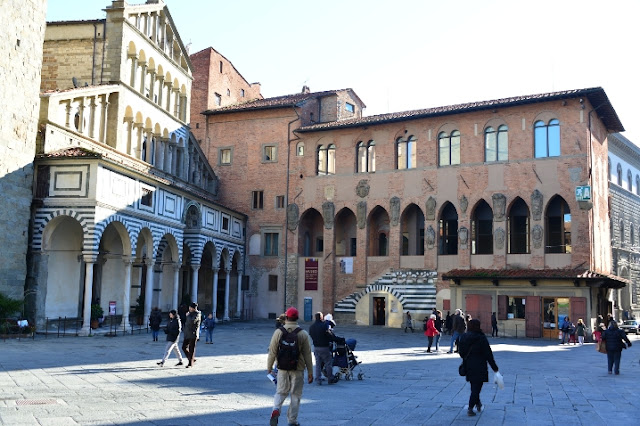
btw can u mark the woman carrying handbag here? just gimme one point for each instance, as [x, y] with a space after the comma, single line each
[476, 352]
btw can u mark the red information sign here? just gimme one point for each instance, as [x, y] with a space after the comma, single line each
[112, 307]
[311, 274]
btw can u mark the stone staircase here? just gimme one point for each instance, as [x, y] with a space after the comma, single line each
[416, 290]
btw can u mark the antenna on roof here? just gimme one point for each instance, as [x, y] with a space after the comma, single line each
[74, 81]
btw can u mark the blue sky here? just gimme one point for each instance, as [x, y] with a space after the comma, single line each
[409, 54]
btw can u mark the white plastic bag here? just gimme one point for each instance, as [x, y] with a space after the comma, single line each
[498, 380]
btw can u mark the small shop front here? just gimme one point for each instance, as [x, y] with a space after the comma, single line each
[531, 306]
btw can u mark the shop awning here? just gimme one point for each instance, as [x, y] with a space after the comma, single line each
[590, 278]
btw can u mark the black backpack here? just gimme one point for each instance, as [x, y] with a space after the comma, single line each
[288, 351]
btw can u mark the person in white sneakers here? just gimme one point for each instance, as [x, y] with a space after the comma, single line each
[291, 346]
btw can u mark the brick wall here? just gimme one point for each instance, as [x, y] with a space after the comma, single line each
[21, 38]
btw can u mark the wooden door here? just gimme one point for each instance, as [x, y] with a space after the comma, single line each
[379, 311]
[479, 307]
[533, 316]
[578, 309]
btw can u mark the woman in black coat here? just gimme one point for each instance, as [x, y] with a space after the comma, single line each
[614, 339]
[475, 351]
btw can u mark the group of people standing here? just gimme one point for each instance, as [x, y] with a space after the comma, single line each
[192, 321]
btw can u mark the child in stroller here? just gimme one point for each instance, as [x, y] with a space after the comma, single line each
[344, 358]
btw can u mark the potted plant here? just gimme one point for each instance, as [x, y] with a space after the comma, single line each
[96, 314]
[139, 310]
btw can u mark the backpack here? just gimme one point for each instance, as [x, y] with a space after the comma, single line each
[288, 351]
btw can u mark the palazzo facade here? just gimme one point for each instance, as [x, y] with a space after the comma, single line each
[125, 206]
[469, 206]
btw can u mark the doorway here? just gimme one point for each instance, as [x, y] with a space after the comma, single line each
[379, 311]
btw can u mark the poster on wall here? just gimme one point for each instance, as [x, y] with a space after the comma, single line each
[311, 274]
[346, 265]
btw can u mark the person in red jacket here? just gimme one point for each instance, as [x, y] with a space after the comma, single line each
[431, 331]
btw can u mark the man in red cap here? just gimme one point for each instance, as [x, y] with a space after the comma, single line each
[290, 381]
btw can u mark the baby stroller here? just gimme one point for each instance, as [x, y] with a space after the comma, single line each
[344, 359]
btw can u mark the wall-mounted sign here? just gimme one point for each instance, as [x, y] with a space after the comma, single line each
[311, 274]
[583, 193]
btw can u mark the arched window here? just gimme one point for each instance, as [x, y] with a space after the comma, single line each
[518, 227]
[547, 138]
[496, 144]
[558, 226]
[629, 181]
[449, 148]
[326, 164]
[482, 229]
[619, 170]
[406, 153]
[448, 230]
[366, 157]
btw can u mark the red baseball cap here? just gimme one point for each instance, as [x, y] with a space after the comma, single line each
[292, 313]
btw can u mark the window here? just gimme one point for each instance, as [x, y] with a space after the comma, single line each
[350, 107]
[300, 149]
[221, 66]
[225, 156]
[225, 223]
[271, 244]
[496, 144]
[515, 307]
[228, 92]
[406, 153]
[218, 99]
[637, 185]
[482, 229]
[366, 157]
[242, 93]
[621, 233]
[632, 237]
[629, 181]
[619, 170]
[280, 202]
[558, 226]
[273, 283]
[326, 160]
[449, 148]
[319, 245]
[147, 197]
[257, 200]
[547, 138]
[448, 229]
[269, 153]
[518, 227]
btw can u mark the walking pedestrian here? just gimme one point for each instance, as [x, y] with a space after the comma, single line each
[459, 327]
[476, 352]
[494, 325]
[290, 382]
[615, 340]
[581, 330]
[408, 323]
[209, 325]
[191, 333]
[155, 319]
[438, 324]
[565, 328]
[322, 338]
[431, 330]
[174, 326]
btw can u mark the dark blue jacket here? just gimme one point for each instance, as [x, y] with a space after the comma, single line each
[319, 332]
[614, 337]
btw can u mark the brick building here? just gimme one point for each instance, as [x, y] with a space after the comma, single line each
[467, 206]
[125, 205]
[21, 37]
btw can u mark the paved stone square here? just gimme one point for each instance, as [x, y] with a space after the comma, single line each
[115, 380]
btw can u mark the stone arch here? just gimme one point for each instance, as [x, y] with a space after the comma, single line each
[126, 232]
[557, 226]
[448, 229]
[345, 231]
[42, 232]
[518, 226]
[378, 231]
[482, 228]
[412, 231]
[311, 233]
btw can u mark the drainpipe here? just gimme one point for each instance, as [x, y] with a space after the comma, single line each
[286, 210]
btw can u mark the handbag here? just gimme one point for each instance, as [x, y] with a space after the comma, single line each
[602, 347]
[462, 369]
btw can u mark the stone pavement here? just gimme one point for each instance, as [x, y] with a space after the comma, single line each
[115, 380]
